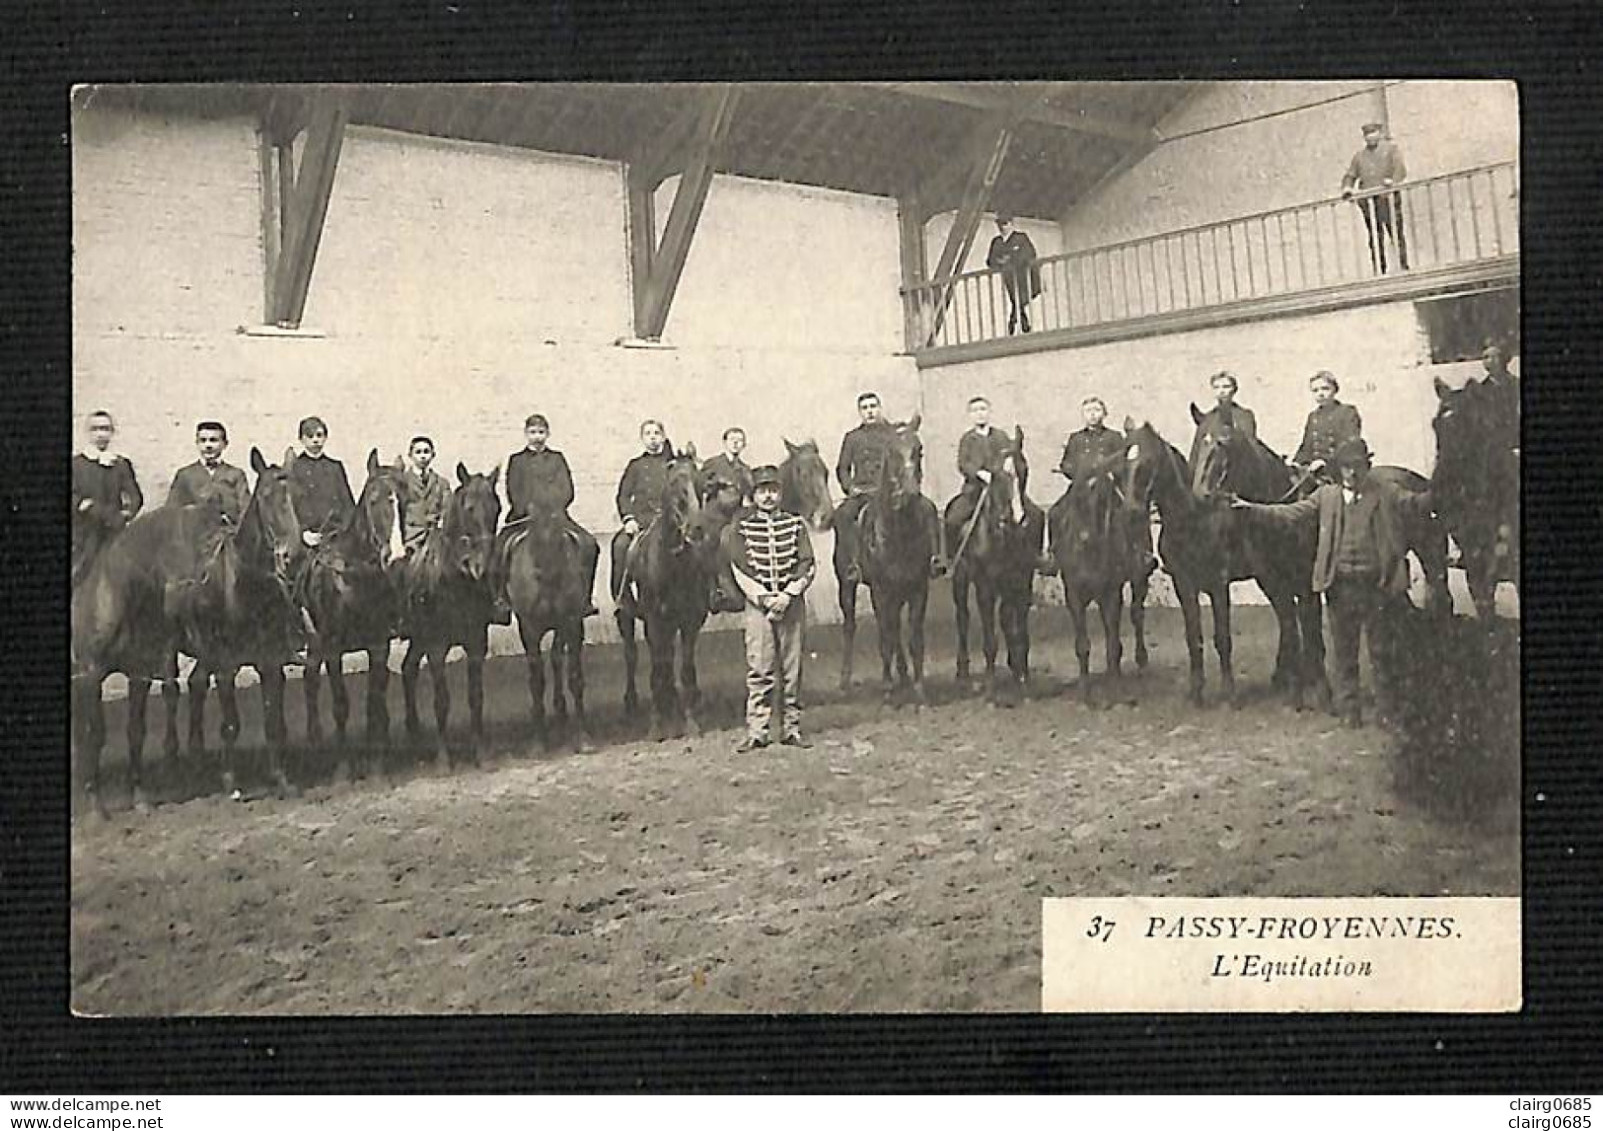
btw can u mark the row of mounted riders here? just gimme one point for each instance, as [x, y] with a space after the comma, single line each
[183, 579]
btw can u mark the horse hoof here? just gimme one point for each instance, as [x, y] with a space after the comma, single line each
[442, 762]
[692, 728]
[141, 802]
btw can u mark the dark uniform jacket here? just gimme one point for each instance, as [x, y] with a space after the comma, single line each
[640, 489]
[1376, 506]
[1500, 400]
[1329, 425]
[112, 489]
[862, 456]
[1241, 419]
[223, 487]
[423, 506]
[1088, 449]
[1015, 257]
[977, 452]
[728, 469]
[321, 492]
[538, 483]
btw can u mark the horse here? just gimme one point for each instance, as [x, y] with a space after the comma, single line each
[546, 585]
[804, 485]
[240, 617]
[897, 526]
[1227, 461]
[667, 584]
[1100, 543]
[1475, 491]
[448, 605]
[350, 598]
[997, 559]
[127, 616]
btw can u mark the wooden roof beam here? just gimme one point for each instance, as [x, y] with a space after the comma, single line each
[1042, 114]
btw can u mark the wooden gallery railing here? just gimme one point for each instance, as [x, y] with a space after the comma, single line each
[1417, 228]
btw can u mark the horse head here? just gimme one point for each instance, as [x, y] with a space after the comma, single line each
[269, 521]
[470, 521]
[804, 484]
[378, 509]
[903, 470]
[681, 500]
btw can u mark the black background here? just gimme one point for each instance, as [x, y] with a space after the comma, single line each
[1554, 1045]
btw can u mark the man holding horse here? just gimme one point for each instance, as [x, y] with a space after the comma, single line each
[1330, 425]
[773, 564]
[640, 495]
[1359, 566]
[210, 481]
[540, 487]
[105, 494]
[863, 453]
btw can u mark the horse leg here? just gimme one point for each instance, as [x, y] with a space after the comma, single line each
[1112, 608]
[1429, 543]
[476, 650]
[659, 643]
[1191, 614]
[1138, 617]
[687, 677]
[340, 705]
[312, 687]
[411, 665]
[887, 621]
[1482, 579]
[138, 702]
[631, 660]
[1289, 650]
[559, 695]
[987, 602]
[274, 728]
[848, 627]
[1079, 609]
[960, 584]
[440, 678]
[575, 656]
[1310, 614]
[377, 735]
[90, 720]
[199, 682]
[1220, 600]
[227, 695]
[536, 662]
[917, 606]
[170, 694]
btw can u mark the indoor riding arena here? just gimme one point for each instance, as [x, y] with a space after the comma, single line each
[443, 261]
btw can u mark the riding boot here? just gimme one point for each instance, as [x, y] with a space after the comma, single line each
[938, 563]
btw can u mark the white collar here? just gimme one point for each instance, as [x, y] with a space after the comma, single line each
[107, 458]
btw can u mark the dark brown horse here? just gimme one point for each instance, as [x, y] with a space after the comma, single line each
[1219, 547]
[240, 616]
[804, 485]
[1099, 540]
[997, 559]
[1475, 491]
[549, 590]
[668, 582]
[896, 528]
[350, 597]
[447, 605]
[172, 570]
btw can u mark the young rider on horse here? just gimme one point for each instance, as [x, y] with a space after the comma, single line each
[323, 502]
[211, 480]
[639, 495]
[105, 494]
[1330, 424]
[863, 451]
[539, 485]
[982, 454]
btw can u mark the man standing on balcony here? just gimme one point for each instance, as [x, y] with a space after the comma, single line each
[1013, 255]
[1379, 164]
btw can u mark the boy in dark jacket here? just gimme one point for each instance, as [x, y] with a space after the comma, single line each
[211, 480]
[540, 486]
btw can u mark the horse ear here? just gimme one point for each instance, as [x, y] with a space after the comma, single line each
[1196, 413]
[1443, 389]
[495, 476]
[1018, 437]
[790, 447]
[689, 450]
[372, 461]
[289, 458]
[461, 473]
[257, 463]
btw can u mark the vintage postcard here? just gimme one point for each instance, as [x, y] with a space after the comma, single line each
[796, 547]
